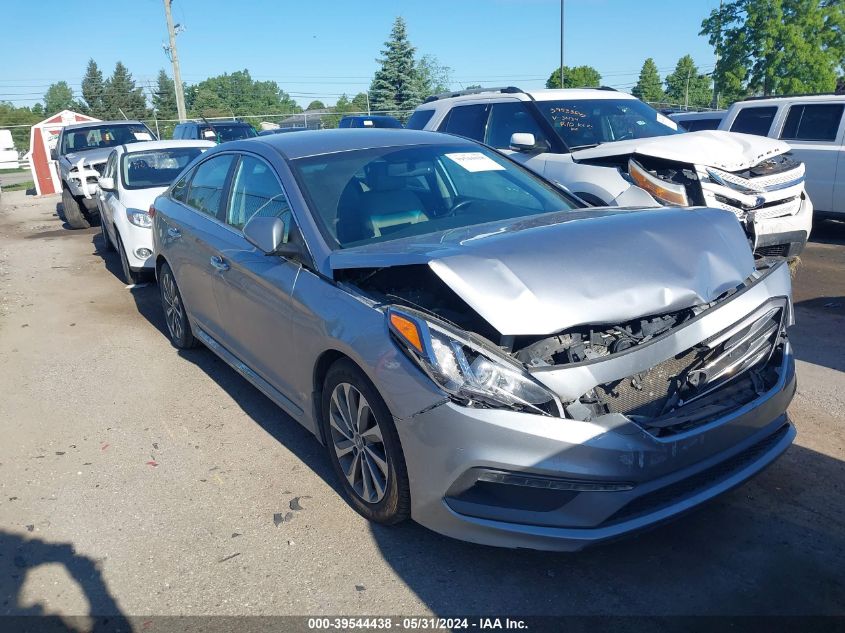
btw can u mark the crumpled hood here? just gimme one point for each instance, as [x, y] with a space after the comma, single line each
[552, 272]
[99, 155]
[730, 151]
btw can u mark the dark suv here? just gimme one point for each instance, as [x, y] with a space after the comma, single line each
[218, 131]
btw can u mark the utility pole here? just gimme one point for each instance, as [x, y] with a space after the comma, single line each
[174, 58]
[561, 43]
[715, 103]
[686, 92]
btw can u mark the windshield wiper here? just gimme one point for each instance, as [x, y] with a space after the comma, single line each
[587, 146]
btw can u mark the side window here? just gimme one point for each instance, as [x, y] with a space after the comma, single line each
[206, 188]
[754, 120]
[508, 118]
[180, 189]
[419, 119]
[177, 131]
[468, 121]
[256, 191]
[813, 122]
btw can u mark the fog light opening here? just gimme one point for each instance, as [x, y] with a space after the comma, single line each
[549, 483]
[143, 253]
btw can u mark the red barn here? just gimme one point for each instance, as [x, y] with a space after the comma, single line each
[42, 138]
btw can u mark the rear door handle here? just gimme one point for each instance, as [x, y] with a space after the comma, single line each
[218, 263]
[174, 233]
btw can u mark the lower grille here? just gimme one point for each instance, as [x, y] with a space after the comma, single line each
[775, 250]
[664, 497]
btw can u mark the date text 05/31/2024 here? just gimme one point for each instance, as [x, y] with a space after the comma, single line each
[417, 623]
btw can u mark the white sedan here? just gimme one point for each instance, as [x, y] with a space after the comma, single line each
[132, 178]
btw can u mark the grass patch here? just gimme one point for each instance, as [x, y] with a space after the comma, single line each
[14, 171]
[18, 186]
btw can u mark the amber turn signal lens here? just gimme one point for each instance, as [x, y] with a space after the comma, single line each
[408, 330]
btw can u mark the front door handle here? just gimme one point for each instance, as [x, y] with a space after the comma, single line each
[174, 233]
[218, 263]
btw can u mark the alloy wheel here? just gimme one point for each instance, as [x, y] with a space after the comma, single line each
[172, 307]
[358, 443]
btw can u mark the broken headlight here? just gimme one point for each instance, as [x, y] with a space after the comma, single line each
[661, 190]
[469, 370]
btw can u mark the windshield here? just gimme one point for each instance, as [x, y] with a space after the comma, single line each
[589, 122]
[110, 135]
[376, 195]
[156, 168]
[232, 132]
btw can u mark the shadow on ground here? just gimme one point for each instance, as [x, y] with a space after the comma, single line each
[20, 555]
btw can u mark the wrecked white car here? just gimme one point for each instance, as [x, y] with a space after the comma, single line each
[476, 349]
[609, 148]
[81, 153]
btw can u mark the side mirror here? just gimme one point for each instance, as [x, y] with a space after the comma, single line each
[54, 154]
[106, 184]
[523, 142]
[270, 236]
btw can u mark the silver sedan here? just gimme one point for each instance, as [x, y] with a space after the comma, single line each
[475, 348]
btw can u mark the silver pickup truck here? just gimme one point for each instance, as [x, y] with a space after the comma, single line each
[81, 153]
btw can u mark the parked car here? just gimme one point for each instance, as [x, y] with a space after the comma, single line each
[371, 121]
[133, 176]
[281, 130]
[610, 148]
[217, 131]
[815, 130]
[80, 154]
[697, 121]
[475, 348]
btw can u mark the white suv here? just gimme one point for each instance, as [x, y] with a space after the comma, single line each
[610, 148]
[814, 126]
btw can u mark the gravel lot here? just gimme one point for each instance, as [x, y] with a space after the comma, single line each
[136, 479]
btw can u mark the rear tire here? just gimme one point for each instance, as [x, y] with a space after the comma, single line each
[364, 446]
[108, 247]
[129, 276]
[178, 325]
[73, 211]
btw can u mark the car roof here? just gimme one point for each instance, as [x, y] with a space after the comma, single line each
[704, 114]
[314, 142]
[369, 116]
[143, 146]
[77, 126]
[537, 95]
[821, 98]
[216, 122]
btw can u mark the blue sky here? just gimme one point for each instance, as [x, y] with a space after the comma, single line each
[318, 50]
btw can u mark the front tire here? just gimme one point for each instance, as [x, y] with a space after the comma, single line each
[108, 247]
[364, 446]
[129, 276]
[178, 325]
[73, 211]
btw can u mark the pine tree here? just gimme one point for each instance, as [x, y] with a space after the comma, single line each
[93, 90]
[649, 87]
[122, 96]
[164, 97]
[59, 97]
[395, 85]
[686, 86]
[576, 77]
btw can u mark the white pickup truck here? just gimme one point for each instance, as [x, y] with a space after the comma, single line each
[80, 154]
[609, 148]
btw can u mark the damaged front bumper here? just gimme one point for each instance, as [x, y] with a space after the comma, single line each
[84, 180]
[514, 479]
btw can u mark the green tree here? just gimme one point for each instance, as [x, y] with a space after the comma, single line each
[121, 97]
[11, 115]
[649, 87]
[59, 97]
[316, 105]
[237, 94]
[164, 97]
[395, 85]
[93, 90]
[432, 76]
[686, 86]
[360, 102]
[777, 46]
[577, 77]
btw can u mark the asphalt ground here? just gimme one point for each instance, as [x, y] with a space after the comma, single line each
[139, 480]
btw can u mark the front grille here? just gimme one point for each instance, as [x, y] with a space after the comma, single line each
[775, 250]
[664, 497]
[99, 167]
[704, 382]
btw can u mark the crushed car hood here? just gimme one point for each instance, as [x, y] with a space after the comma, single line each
[99, 155]
[730, 151]
[547, 273]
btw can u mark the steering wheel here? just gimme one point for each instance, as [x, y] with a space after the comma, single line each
[463, 204]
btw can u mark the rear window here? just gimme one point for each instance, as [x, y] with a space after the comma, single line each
[230, 132]
[111, 135]
[468, 121]
[696, 125]
[419, 119]
[155, 168]
[813, 122]
[754, 120]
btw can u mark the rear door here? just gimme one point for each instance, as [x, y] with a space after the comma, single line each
[194, 235]
[815, 131]
[253, 289]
